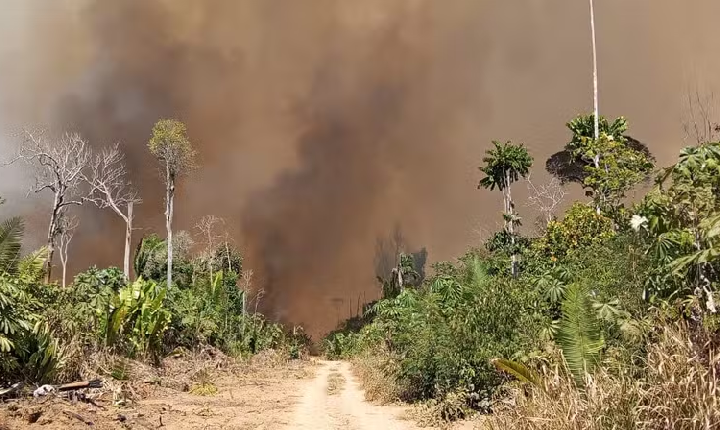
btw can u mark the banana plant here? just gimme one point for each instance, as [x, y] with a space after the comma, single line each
[137, 311]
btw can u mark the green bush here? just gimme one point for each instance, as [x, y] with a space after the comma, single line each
[136, 319]
[581, 227]
[443, 334]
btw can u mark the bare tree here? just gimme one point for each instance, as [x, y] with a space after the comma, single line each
[207, 225]
[59, 167]
[546, 198]
[227, 252]
[246, 285]
[109, 188]
[66, 230]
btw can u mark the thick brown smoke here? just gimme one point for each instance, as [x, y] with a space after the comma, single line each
[322, 124]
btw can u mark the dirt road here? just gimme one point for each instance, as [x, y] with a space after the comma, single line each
[288, 396]
[334, 400]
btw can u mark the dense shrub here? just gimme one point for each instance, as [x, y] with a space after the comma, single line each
[442, 335]
[581, 227]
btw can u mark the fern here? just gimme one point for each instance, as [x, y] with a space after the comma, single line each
[579, 333]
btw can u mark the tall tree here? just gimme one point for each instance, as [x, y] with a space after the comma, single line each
[59, 167]
[109, 188]
[596, 111]
[171, 146]
[504, 165]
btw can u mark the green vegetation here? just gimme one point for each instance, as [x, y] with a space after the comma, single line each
[607, 319]
[504, 165]
[48, 331]
[611, 166]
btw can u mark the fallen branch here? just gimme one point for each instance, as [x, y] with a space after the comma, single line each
[96, 383]
[79, 417]
[75, 396]
[11, 390]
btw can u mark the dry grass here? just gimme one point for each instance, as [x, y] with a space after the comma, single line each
[678, 390]
[441, 413]
[375, 373]
[336, 382]
[203, 385]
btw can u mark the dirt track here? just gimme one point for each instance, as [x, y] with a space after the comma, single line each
[320, 408]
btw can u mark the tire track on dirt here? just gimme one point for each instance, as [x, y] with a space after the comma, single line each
[346, 410]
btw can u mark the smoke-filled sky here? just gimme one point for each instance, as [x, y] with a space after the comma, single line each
[323, 124]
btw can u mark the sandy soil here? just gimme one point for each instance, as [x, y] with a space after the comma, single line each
[344, 407]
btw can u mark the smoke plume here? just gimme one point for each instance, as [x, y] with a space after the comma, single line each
[323, 124]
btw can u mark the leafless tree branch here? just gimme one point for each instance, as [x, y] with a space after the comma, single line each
[59, 165]
[110, 189]
[206, 226]
[700, 122]
[546, 198]
[65, 232]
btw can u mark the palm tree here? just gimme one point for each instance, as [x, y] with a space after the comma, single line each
[504, 165]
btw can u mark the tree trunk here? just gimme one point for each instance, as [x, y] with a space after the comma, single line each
[168, 223]
[52, 230]
[227, 251]
[211, 255]
[48, 263]
[128, 240]
[595, 72]
[596, 110]
[509, 215]
[64, 273]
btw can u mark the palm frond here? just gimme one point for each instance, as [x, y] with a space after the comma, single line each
[518, 370]
[11, 233]
[579, 334]
[32, 265]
